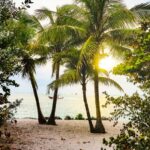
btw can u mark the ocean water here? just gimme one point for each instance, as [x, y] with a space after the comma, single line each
[70, 105]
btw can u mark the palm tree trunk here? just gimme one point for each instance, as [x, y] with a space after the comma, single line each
[86, 105]
[99, 128]
[51, 120]
[41, 118]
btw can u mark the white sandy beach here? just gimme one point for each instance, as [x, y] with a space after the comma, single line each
[67, 135]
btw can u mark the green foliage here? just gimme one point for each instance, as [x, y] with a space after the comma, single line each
[68, 118]
[128, 139]
[8, 53]
[136, 133]
[79, 117]
[7, 110]
[9, 58]
[142, 11]
[137, 63]
[136, 108]
[7, 10]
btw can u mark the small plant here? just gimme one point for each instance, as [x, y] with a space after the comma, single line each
[106, 118]
[7, 111]
[68, 118]
[58, 118]
[79, 117]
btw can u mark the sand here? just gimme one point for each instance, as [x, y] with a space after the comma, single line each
[67, 135]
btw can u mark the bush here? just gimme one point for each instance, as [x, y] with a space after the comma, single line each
[135, 134]
[68, 118]
[58, 118]
[106, 118]
[7, 110]
[79, 117]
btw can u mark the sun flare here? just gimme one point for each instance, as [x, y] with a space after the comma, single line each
[107, 63]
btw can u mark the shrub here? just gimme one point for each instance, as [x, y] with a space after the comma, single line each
[68, 118]
[79, 117]
[58, 118]
[135, 134]
[7, 110]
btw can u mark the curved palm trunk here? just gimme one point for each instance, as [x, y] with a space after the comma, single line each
[51, 120]
[41, 118]
[86, 105]
[99, 128]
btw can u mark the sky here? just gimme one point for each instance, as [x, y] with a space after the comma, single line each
[43, 73]
[52, 4]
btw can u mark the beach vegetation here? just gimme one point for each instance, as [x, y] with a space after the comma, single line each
[68, 118]
[9, 65]
[135, 133]
[79, 117]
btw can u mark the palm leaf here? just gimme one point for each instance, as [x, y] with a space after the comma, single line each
[38, 48]
[122, 36]
[103, 71]
[40, 61]
[71, 15]
[58, 34]
[119, 17]
[38, 24]
[119, 51]
[142, 11]
[69, 77]
[110, 82]
[45, 13]
[28, 68]
[88, 51]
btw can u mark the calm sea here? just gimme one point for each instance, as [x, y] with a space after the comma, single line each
[69, 105]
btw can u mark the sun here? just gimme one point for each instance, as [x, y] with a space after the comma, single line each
[107, 63]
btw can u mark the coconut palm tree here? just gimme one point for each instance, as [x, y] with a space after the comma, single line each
[25, 29]
[28, 70]
[104, 20]
[73, 75]
[63, 31]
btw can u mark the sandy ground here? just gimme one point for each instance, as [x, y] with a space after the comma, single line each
[67, 135]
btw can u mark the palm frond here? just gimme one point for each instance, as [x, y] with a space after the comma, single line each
[109, 82]
[120, 17]
[103, 71]
[71, 15]
[40, 61]
[45, 13]
[122, 36]
[38, 24]
[35, 47]
[88, 51]
[28, 68]
[142, 11]
[58, 34]
[69, 77]
[119, 51]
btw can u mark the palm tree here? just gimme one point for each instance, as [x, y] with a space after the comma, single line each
[25, 30]
[28, 70]
[104, 21]
[73, 75]
[63, 32]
